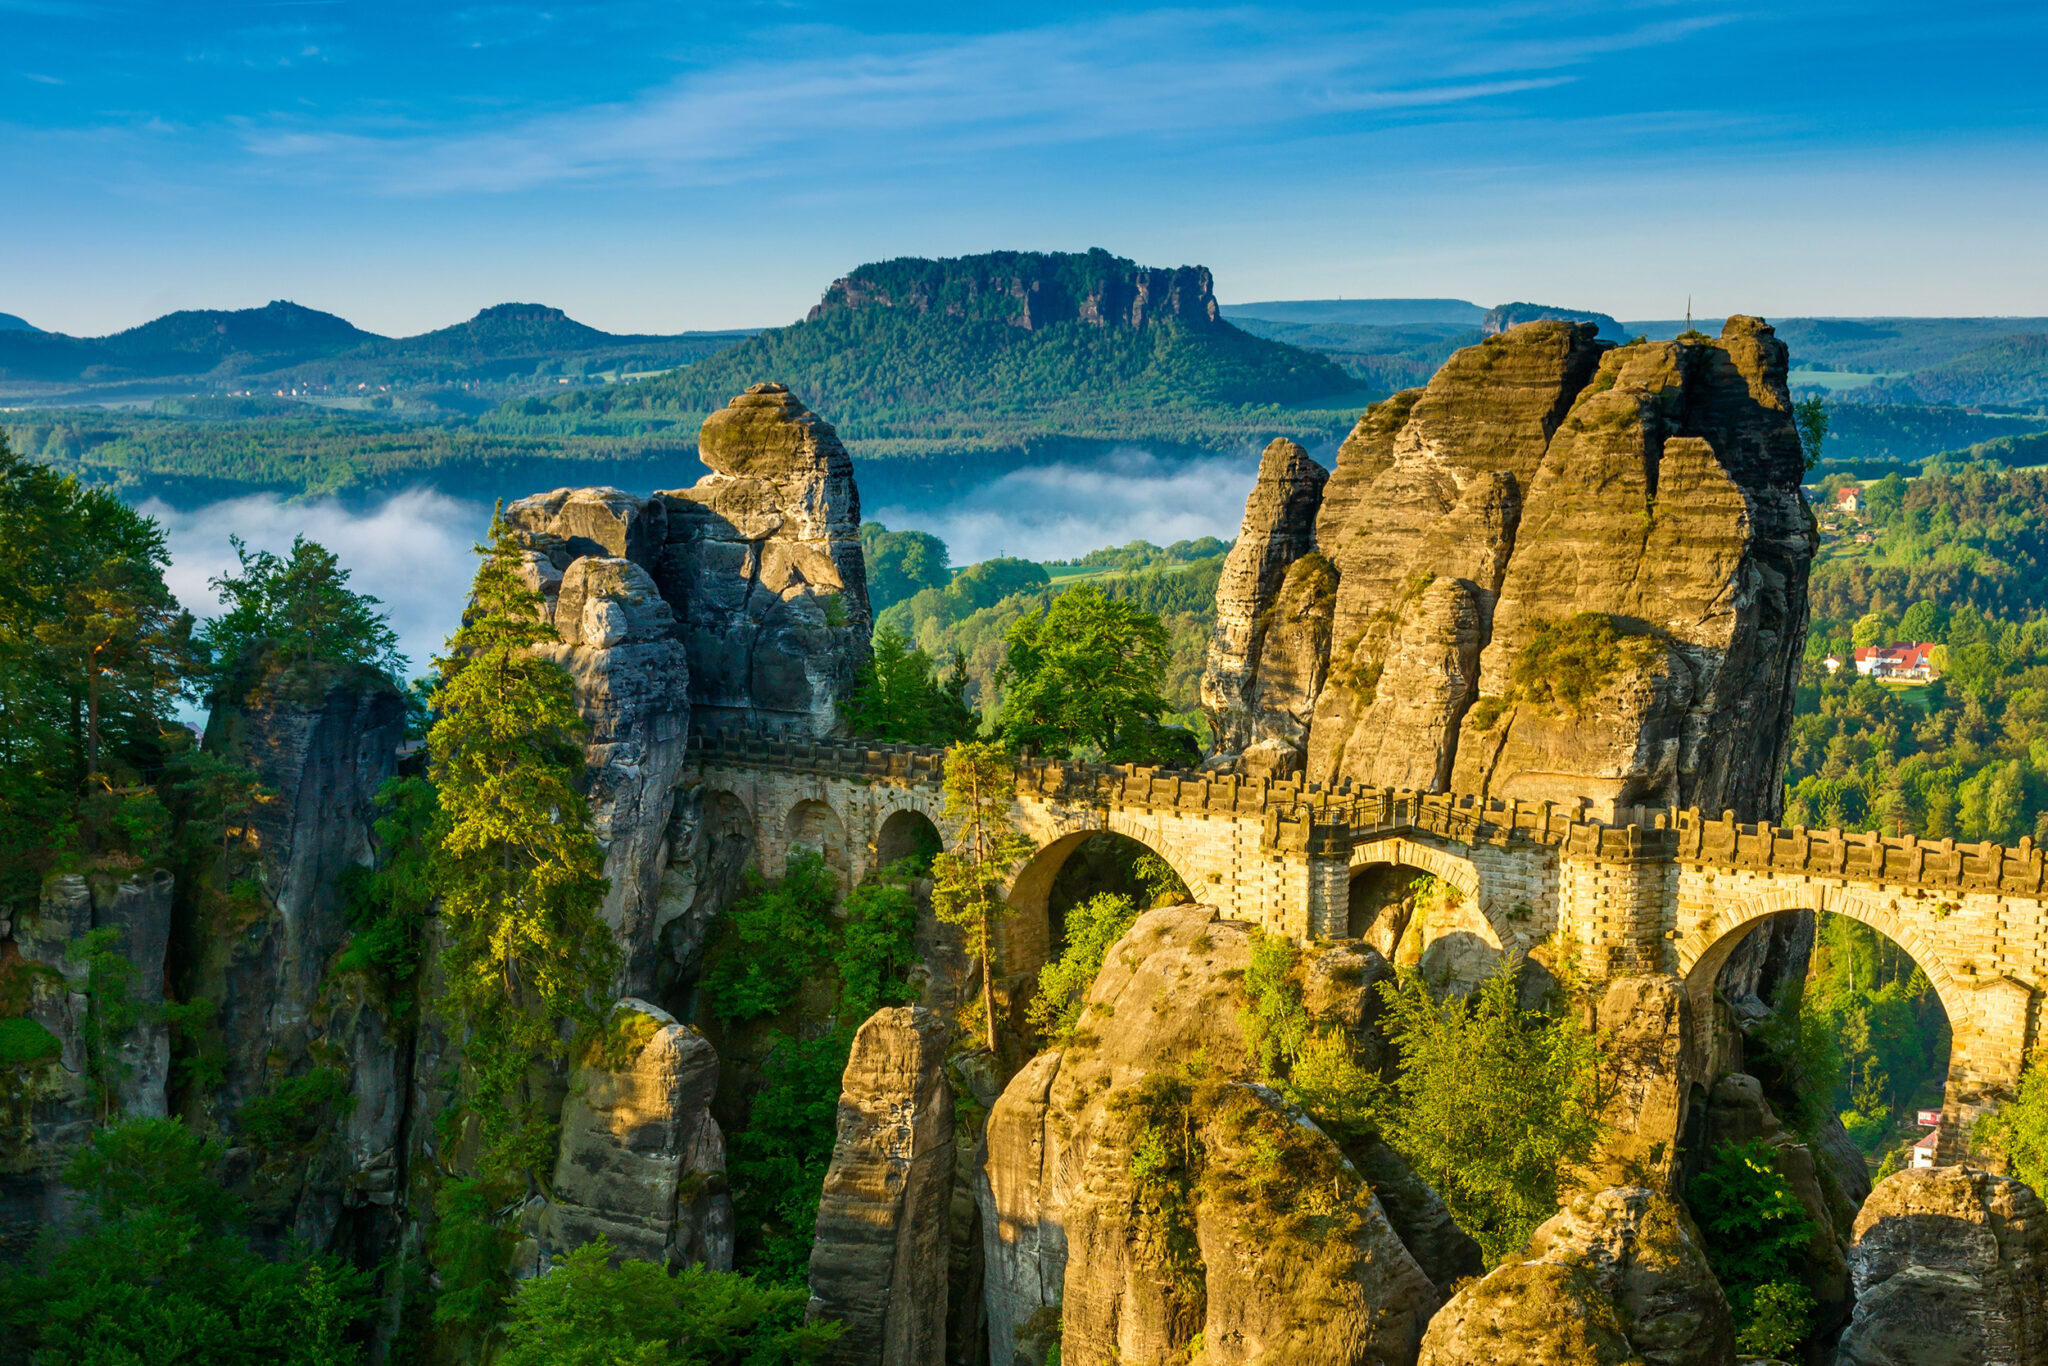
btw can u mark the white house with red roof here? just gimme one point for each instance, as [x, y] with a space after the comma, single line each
[1897, 661]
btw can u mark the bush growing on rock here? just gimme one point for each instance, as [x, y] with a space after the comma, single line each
[1063, 984]
[587, 1312]
[1757, 1230]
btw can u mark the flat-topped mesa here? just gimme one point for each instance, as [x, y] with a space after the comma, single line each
[1565, 569]
[1030, 289]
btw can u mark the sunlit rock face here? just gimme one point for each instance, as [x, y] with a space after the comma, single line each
[742, 599]
[1551, 514]
[1950, 1266]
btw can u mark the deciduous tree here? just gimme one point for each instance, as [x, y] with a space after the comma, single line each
[969, 877]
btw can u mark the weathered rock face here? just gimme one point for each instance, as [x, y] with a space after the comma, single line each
[880, 1261]
[743, 598]
[51, 1105]
[1030, 290]
[1617, 1276]
[1950, 1266]
[1540, 476]
[324, 749]
[1279, 529]
[641, 1160]
[1064, 1218]
[763, 563]
[1648, 1026]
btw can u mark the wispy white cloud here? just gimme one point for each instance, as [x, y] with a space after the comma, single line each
[1067, 509]
[837, 100]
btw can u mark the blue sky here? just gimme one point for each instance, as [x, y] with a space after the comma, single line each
[654, 167]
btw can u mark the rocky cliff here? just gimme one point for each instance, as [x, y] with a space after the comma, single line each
[1562, 569]
[1029, 289]
[1245, 1224]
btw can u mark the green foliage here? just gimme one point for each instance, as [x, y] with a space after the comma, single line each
[1086, 678]
[969, 878]
[517, 867]
[471, 1248]
[2018, 1129]
[1810, 415]
[112, 1012]
[1166, 1168]
[297, 1108]
[1092, 927]
[161, 1276]
[387, 902]
[1276, 1024]
[1566, 663]
[1780, 1314]
[775, 937]
[776, 1164]
[901, 563]
[293, 613]
[1757, 1232]
[1137, 555]
[901, 380]
[24, 1043]
[876, 948]
[1800, 1045]
[897, 696]
[587, 1312]
[1495, 1106]
[93, 655]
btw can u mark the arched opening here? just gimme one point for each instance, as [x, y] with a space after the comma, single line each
[816, 827]
[1845, 1030]
[908, 835]
[1422, 921]
[1069, 871]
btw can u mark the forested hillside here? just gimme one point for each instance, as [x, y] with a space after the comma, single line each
[916, 357]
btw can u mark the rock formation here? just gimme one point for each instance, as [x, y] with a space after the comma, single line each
[1617, 1276]
[1249, 705]
[1065, 1224]
[641, 1161]
[741, 599]
[880, 1261]
[1950, 1267]
[1030, 290]
[1563, 569]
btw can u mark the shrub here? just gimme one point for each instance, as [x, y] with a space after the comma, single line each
[1092, 927]
[2019, 1129]
[291, 1111]
[1757, 1231]
[1566, 664]
[775, 938]
[776, 1164]
[587, 1312]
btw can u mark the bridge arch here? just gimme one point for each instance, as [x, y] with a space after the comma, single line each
[1704, 951]
[1460, 944]
[813, 825]
[1030, 936]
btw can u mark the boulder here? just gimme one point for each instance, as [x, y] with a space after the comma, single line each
[763, 564]
[1617, 1276]
[1299, 1261]
[880, 1262]
[1950, 1267]
[641, 1161]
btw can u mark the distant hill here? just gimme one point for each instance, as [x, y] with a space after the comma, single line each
[1386, 357]
[1000, 351]
[1362, 312]
[1504, 316]
[2010, 372]
[314, 355]
[10, 323]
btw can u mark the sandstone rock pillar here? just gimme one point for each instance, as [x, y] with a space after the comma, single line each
[880, 1261]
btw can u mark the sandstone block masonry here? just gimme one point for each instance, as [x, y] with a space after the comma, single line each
[1623, 891]
[1550, 513]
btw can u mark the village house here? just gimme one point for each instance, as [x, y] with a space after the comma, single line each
[1915, 661]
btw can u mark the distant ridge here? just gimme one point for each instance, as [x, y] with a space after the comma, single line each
[1362, 312]
[999, 352]
[10, 323]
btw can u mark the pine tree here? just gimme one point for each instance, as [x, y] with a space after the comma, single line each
[519, 870]
[968, 880]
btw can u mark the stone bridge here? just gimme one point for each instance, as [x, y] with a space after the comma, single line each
[1624, 892]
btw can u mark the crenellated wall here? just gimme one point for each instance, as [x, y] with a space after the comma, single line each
[1628, 892]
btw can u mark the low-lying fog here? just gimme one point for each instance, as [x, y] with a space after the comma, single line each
[413, 550]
